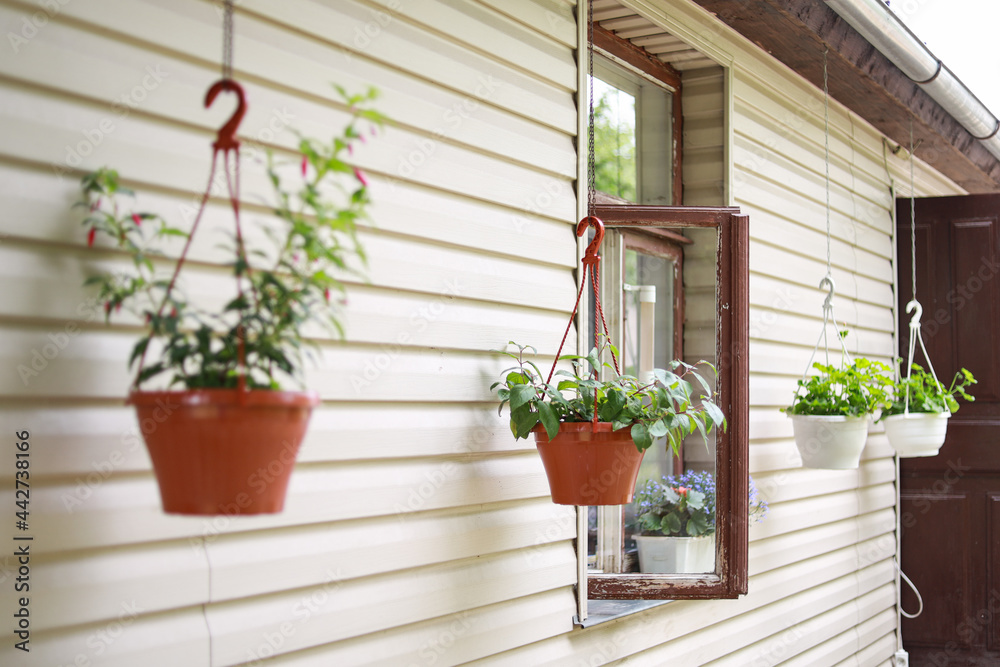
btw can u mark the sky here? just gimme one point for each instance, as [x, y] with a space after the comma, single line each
[962, 34]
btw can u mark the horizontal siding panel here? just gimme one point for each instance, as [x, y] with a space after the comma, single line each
[849, 621]
[809, 272]
[125, 509]
[876, 528]
[88, 444]
[132, 638]
[666, 633]
[458, 304]
[453, 639]
[489, 33]
[428, 54]
[91, 587]
[94, 366]
[256, 563]
[793, 632]
[748, 629]
[555, 17]
[180, 159]
[340, 610]
[800, 514]
[398, 209]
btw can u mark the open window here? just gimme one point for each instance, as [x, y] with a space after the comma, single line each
[702, 317]
[674, 286]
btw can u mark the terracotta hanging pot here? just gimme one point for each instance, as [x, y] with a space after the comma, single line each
[588, 465]
[223, 451]
[917, 433]
[830, 442]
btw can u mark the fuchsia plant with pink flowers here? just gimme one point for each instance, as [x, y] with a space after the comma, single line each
[283, 288]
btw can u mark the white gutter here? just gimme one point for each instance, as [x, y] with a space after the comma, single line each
[883, 30]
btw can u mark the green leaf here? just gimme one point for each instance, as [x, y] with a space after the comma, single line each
[658, 429]
[550, 420]
[522, 421]
[641, 437]
[521, 394]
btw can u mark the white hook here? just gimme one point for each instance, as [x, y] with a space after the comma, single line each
[915, 320]
[828, 283]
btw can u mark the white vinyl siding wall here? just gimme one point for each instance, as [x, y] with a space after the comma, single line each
[417, 531]
[415, 526]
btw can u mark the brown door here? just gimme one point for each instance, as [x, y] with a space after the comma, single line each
[950, 509]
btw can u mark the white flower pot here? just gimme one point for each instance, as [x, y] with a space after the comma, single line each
[670, 555]
[917, 433]
[831, 442]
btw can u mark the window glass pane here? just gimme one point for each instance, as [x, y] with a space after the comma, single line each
[614, 141]
[679, 505]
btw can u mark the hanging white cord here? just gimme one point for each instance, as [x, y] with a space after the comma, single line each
[914, 305]
[827, 282]
[920, 599]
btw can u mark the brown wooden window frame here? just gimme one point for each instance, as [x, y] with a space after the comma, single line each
[732, 447]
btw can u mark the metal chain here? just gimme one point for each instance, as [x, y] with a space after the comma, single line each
[591, 160]
[826, 137]
[913, 223]
[227, 41]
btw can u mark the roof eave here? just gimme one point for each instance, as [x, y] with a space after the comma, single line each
[796, 32]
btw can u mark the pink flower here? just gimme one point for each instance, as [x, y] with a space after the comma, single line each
[305, 163]
[136, 219]
[350, 149]
[682, 490]
[90, 236]
[326, 294]
[361, 177]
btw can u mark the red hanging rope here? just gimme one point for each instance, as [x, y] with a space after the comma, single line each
[592, 261]
[225, 143]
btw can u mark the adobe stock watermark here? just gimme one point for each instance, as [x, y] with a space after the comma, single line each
[131, 441]
[420, 494]
[33, 23]
[371, 30]
[251, 149]
[302, 612]
[258, 482]
[885, 546]
[553, 190]
[122, 106]
[453, 118]
[433, 650]
[969, 631]
[763, 321]
[101, 640]
[419, 319]
[642, 625]
[56, 342]
[959, 297]
[778, 650]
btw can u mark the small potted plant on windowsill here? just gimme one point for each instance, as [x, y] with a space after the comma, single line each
[675, 522]
[916, 419]
[831, 411]
[592, 462]
[227, 440]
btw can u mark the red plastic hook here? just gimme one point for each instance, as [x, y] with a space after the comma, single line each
[227, 133]
[591, 256]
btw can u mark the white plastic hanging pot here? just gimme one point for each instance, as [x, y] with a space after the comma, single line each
[917, 433]
[660, 554]
[830, 442]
